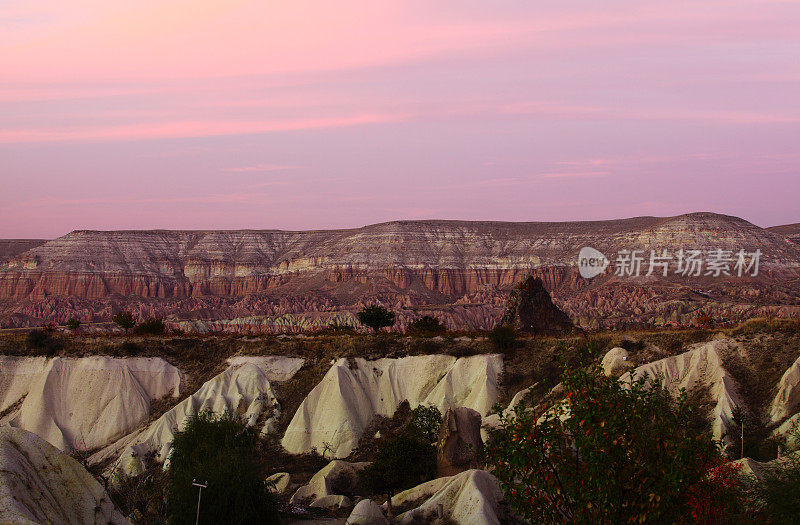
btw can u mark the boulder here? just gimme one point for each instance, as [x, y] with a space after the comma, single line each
[367, 512]
[275, 367]
[243, 389]
[531, 310]
[418, 493]
[787, 399]
[336, 478]
[615, 362]
[89, 402]
[699, 367]
[336, 412]
[460, 446]
[472, 497]
[281, 482]
[41, 484]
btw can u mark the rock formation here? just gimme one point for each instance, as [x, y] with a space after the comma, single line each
[787, 399]
[243, 389]
[40, 484]
[460, 446]
[84, 403]
[700, 367]
[615, 362]
[367, 512]
[335, 479]
[472, 497]
[335, 413]
[531, 310]
[276, 281]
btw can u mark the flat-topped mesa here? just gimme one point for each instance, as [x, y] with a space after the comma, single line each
[401, 264]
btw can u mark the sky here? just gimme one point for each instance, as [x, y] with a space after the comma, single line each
[209, 114]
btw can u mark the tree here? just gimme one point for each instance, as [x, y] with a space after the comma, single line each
[219, 450]
[376, 317]
[608, 452]
[402, 462]
[73, 324]
[124, 320]
[426, 422]
[426, 325]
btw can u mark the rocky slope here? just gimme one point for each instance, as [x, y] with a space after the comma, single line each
[277, 280]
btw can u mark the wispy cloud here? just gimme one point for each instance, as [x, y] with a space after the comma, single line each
[261, 168]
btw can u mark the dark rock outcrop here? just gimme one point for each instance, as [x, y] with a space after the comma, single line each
[531, 310]
[460, 446]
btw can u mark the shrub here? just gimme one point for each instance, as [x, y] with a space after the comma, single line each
[73, 324]
[124, 320]
[503, 337]
[152, 326]
[704, 320]
[608, 453]
[36, 339]
[338, 327]
[402, 462]
[426, 325]
[376, 317]
[220, 452]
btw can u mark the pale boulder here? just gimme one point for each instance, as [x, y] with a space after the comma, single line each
[334, 501]
[615, 362]
[470, 498]
[787, 399]
[367, 512]
[89, 402]
[41, 484]
[281, 482]
[337, 411]
[275, 367]
[336, 477]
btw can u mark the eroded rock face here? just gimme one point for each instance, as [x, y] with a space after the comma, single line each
[787, 400]
[700, 367]
[615, 362]
[335, 413]
[85, 403]
[460, 445]
[277, 281]
[40, 484]
[243, 389]
[531, 310]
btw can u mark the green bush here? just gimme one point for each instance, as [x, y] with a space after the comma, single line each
[36, 339]
[426, 325]
[402, 462]
[219, 451]
[503, 337]
[73, 324]
[607, 453]
[152, 326]
[376, 317]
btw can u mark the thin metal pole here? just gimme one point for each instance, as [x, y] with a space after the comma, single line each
[200, 487]
[742, 437]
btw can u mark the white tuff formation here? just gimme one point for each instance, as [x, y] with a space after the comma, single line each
[336, 475]
[335, 413]
[41, 484]
[90, 402]
[615, 362]
[367, 512]
[788, 397]
[243, 389]
[473, 497]
[699, 367]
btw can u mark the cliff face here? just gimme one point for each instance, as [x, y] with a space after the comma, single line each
[232, 277]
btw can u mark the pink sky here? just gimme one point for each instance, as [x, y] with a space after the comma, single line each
[297, 115]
